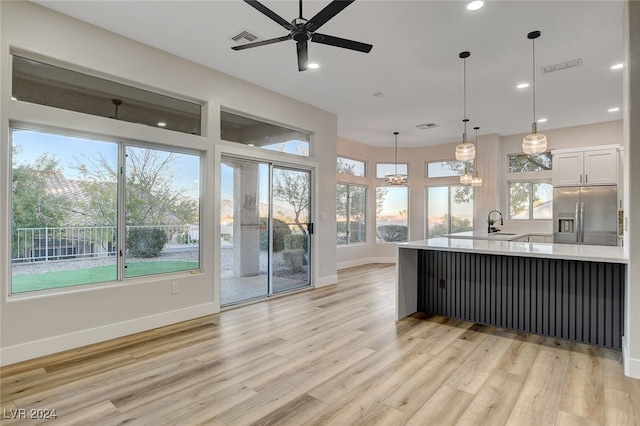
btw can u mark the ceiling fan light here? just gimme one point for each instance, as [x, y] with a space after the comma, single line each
[465, 152]
[466, 178]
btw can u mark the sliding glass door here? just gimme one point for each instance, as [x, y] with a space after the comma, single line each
[265, 224]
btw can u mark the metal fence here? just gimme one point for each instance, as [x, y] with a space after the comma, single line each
[77, 242]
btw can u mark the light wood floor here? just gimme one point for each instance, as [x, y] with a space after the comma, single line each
[333, 356]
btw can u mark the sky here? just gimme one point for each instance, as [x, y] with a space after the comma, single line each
[70, 150]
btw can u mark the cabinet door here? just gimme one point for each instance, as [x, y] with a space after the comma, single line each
[567, 169]
[600, 167]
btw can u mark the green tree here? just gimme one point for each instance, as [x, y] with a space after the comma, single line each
[151, 197]
[33, 206]
[293, 188]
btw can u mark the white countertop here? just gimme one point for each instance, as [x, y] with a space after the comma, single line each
[484, 235]
[587, 253]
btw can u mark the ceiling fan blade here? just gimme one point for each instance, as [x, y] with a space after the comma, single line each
[270, 13]
[341, 42]
[330, 10]
[303, 56]
[262, 43]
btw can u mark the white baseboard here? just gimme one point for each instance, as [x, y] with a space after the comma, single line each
[51, 345]
[325, 281]
[367, 261]
[631, 365]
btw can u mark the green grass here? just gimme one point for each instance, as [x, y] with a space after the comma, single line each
[24, 283]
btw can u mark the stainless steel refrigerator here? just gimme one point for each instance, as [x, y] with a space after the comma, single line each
[585, 215]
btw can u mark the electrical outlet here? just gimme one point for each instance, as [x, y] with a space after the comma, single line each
[174, 288]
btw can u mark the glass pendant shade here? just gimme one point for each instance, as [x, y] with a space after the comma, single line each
[466, 178]
[535, 143]
[465, 151]
[396, 180]
[476, 181]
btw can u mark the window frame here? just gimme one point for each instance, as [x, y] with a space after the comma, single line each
[530, 183]
[120, 226]
[427, 163]
[449, 204]
[348, 241]
[392, 164]
[364, 166]
[408, 222]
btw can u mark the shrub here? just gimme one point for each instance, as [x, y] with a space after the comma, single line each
[294, 258]
[145, 242]
[296, 242]
[392, 233]
[280, 230]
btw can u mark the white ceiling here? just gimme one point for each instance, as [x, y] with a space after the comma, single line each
[414, 62]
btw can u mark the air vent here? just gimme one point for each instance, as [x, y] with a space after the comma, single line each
[426, 126]
[245, 36]
[562, 66]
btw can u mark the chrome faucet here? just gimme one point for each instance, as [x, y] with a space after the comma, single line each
[490, 230]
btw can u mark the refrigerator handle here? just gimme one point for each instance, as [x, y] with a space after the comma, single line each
[577, 224]
[582, 222]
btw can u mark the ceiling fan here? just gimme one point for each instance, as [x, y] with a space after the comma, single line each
[302, 31]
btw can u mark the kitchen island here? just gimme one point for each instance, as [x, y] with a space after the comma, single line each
[573, 292]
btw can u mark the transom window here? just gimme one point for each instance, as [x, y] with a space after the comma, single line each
[251, 132]
[44, 84]
[385, 169]
[349, 166]
[448, 168]
[519, 163]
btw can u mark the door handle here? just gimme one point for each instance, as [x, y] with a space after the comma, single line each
[578, 224]
[310, 228]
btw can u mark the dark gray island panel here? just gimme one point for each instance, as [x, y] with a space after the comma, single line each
[575, 300]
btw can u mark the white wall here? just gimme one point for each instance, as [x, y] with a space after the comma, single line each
[631, 342]
[34, 325]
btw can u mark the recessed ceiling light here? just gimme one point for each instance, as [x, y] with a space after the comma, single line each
[475, 5]
[522, 85]
[542, 120]
[313, 65]
[614, 109]
[617, 66]
[162, 124]
[250, 144]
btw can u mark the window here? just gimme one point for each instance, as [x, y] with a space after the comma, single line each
[449, 210]
[519, 163]
[392, 214]
[66, 221]
[251, 132]
[44, 84]
[530, 200]
[450, 168]
[351, 167]
[384, 169]
[351, 213]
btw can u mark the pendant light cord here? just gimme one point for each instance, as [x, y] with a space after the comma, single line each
[464, 90]
[396, 134]
[533, 41]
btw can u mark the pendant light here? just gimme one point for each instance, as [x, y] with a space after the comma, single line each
[466, 177]
[465, 151]
[534, 143]
[476, 181]
[396, 179]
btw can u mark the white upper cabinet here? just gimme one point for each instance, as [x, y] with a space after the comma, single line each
[593, 167]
